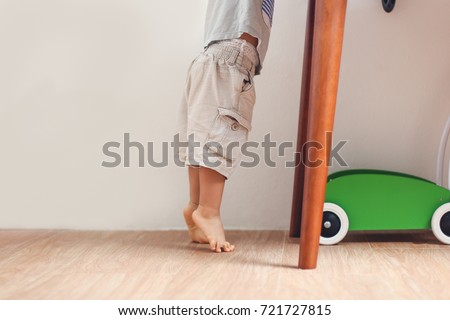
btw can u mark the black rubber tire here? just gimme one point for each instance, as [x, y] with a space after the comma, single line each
[388, 5]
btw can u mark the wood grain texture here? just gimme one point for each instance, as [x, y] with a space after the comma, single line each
[165, 265]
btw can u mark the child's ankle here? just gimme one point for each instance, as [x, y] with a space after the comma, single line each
[208, 212]
[192, 204]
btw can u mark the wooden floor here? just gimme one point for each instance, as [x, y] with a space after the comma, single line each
[165, 265]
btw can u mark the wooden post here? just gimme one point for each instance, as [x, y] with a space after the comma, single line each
[299, 177]
[328, 35]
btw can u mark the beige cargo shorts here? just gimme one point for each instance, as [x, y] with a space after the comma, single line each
[216, 110]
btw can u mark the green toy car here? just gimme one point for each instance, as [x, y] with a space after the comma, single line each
[384, 200]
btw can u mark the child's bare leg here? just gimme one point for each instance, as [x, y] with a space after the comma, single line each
[195, 233]
[207, 215]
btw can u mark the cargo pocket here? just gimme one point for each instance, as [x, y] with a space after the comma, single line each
[227, 135]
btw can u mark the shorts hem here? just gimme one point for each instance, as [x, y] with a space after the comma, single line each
[223, 170]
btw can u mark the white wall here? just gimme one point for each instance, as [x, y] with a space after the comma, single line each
[76, 74]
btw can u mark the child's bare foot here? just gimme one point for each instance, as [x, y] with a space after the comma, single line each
[208, 220]
[195, 233]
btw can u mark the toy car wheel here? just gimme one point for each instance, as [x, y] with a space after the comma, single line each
[440, 223]
[334, 224]
[388, 5]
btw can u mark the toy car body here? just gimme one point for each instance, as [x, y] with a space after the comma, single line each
[383, 200]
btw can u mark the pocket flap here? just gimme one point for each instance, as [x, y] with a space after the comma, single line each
[242, 121]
